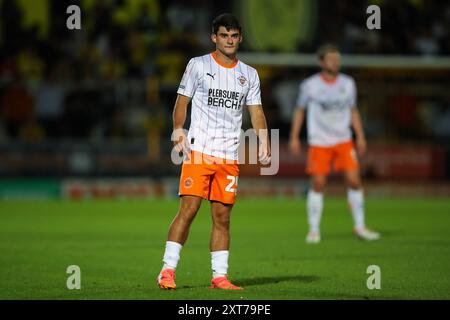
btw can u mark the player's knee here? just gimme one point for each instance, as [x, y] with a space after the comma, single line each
[318, 185]
[189, 210]
[221, 219]
[221, 224]
[318, 188]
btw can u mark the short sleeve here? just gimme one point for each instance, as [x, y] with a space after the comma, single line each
[189, 82]
[303, 97]
[254, 93]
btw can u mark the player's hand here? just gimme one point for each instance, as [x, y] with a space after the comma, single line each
[361, 146]
[295, 146]
[264, 153]
[180, 142]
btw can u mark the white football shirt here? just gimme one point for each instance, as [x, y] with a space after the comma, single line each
[218, 94]
[328, 107]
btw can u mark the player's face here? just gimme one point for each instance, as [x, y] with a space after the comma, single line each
[331, 62]
[227, 42]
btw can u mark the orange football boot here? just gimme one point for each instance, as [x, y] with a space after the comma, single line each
[223, 283]
[166, 279]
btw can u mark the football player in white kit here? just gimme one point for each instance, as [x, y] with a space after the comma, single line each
[329, 100]
[220, 87]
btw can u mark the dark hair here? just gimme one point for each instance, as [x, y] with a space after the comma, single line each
[326, 48]
[226, 20]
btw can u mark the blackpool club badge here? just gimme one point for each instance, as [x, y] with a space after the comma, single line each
[188, 182]
[242, 80]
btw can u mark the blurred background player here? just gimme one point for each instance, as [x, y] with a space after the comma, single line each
[219, 86]
[330, 99]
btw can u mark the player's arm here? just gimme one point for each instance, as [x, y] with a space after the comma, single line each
[179, 118]
[296, 127]
[361, 144]
[260, 126]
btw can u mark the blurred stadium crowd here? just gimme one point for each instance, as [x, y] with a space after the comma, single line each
[116, 78]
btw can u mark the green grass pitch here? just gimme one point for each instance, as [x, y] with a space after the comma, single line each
[119, 246]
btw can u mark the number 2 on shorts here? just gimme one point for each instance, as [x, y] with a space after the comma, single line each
[234, 180]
